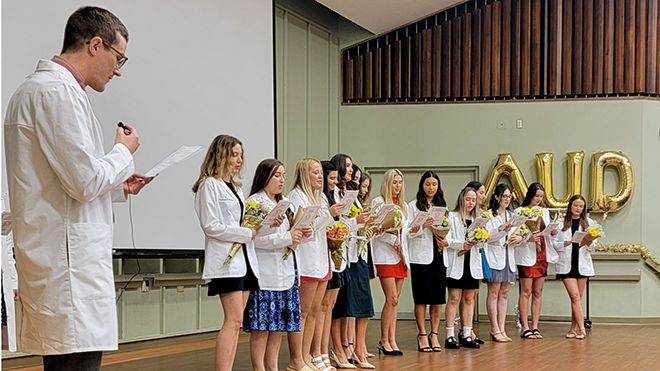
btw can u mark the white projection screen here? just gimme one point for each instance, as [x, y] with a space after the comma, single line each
[196, 69]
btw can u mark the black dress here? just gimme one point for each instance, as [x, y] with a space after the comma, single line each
[428, 281]
[466, 282]
[355, 299]
[249, 282]
[575, 256]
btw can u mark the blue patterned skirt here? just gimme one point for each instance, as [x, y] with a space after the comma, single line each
[273, 310]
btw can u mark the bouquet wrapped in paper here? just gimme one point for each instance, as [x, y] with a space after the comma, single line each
[337, 233]
[595, 231]
[475, 237]
[533, 215]
[522, 231]
[360, 237]
[486, 214]
[254, 215]
[441, 230]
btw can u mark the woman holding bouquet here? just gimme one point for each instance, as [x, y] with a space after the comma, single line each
[275, 307]
[464, 270]
[388, 249]
[427, 264]
[532, 259]
[574, 265]
[219, 207]
[499, 252]
[313, 257]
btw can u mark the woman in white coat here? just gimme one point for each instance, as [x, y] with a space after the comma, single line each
[533, 264]
[574, 265]
[501, 260]
[313, 258]
[275, 307]
[427, 263]
[389, 267]
[219, 207]
[463, 272]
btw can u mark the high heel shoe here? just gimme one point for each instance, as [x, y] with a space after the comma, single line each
[381, 349]
[434, 348]
[335, 360]
[424, 349]
[498, 337]
[364, 364]
[319, 364]
[326, 360]
[369, 355]
[347, 351]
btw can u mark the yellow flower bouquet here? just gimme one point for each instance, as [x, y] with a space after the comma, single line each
[533, 215]
[595, 231]
[441, 230]
[475, 237]
[254, 215]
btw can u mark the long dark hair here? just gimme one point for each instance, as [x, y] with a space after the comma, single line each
[328, 167]
[264, 173]
[353, 185]
[475, 184]
[438, 197]
[364, 199]
[340, 163]
[499, 191]
[531, 192]
[584, 223]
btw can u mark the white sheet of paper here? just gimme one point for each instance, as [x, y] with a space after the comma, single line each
[382, 213]
[515, 222]
[549, 228]
[277, 211]
[177, 156]
[437, 213]
[308, 217]
[419, 220]
[348, 199]
[578, 236]
[477, 223]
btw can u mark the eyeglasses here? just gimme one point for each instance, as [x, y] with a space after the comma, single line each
[123, 58]
[507, 197]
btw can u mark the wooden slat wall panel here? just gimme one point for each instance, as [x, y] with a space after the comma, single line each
[476, 53]
[553, 47]
[640, 48]
[599, 45]
[536, 43]
[567, 47]
[515, 47]
[619, 44]
[368, 75]
[657, 58]
[652, 45]
[348, 79]
[466, 61]
[456, 58]
[608, 37]
[427, 48]
[629, 48]
[588, 47]
[525, 47]
[359, 87]
[505, 72]
[417, 66]
[378, 74]
[437, 61]
[446, 58]
[486, 42]
[397, 62]
[577, 46]
[386, 83]
[497, 50]
[406, 78]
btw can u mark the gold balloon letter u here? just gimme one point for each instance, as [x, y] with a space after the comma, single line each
[544, 165]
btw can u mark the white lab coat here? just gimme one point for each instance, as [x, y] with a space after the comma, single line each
[61, 188]
[219, 214]
[456, 238]
[420, 244]
[496, 252]
[585, 264]
[10, 282]
[275, 273]
[526, 253]
[313, 253]
[383, 245]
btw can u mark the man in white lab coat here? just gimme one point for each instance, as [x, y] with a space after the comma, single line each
[61, 188]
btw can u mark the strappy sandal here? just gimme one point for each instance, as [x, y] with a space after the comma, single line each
[426, 349]
[571, 334]
[436, 348]
[527, 334]
[581, 335]
[537, 334]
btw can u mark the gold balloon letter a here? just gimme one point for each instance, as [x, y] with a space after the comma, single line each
[544, 164]
[506, 165]
[602, 203]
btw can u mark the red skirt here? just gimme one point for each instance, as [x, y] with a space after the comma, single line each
[398, 270]
[304, 279]
[539, 269]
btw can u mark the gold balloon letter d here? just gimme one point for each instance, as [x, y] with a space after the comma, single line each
[603, 203]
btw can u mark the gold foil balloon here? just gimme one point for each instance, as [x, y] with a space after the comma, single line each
[600, 202]
[544, 165]
[506, 165]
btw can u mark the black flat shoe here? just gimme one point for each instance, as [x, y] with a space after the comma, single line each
[477, 340]
[468, 342]
[381, 349]
[451, 343]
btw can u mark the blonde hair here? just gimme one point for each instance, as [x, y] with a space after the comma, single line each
[301, 180]
[386, 190]
[460, 204]
[217, 160]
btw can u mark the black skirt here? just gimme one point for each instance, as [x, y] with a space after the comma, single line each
[338, 279]
[370, 263]
[225, 285]
[428, 281]
[466, 282]
[354, 299]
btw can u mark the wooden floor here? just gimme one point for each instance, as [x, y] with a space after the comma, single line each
[607, 347]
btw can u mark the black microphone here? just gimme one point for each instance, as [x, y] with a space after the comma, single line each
[121, 125]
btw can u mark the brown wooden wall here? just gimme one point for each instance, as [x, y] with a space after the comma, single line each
[502, 49]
